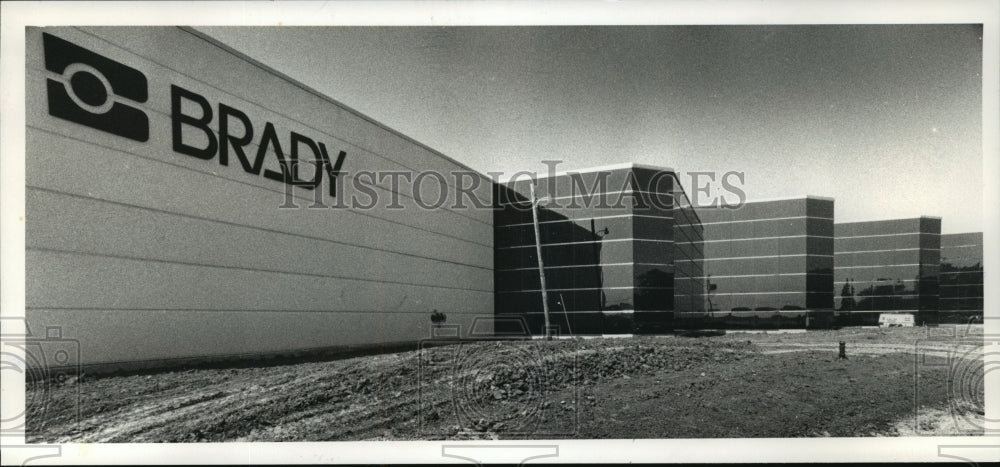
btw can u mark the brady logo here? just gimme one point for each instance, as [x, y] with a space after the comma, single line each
[232, 140]
[94, 90]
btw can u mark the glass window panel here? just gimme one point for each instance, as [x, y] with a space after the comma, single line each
[819, 301]
[884, 243]
[929, 256]
[686, 232]
[844, 261]
[820, 283]
[819, 227]
[608, 276]
[930, 271]
[791, 283]
[510, 215]
[902, 257]
[897, 225]
[771, 228]
[652, 228]
[735, 284]
[618, 299]
[964, 277]
[930, 225]
[742, 249]
[604, 201]
[844, 230]
[714, 214]
[718, 249]
[738, 230]
[571, 255]
[656, 252]
[687, 252]
[654, 299]
[887, 273]
[576, 323]
[777, 301]
[730, 267]
[561, 211]
[773, 209]
[858, 259]
[566, 278]
[642, 204]
[718, 231]
[663, 201]
[573, 300]
[587, 253]
[820, 208]
[766, 247]
[883, 258]
[715, 303]
[761, 265]
[792, 245]
[654, 180]
[951, 240]
[846, 244]
[819, 246]
[518, 302]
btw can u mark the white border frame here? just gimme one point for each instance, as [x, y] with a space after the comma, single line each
[16, 15]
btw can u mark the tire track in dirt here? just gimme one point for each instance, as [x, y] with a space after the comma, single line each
[409, 395]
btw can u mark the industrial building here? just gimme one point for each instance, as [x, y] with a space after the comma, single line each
[960, 297]
[187, 203]
[621, 248]
[769, 263]
[158, 227]
[887, 266]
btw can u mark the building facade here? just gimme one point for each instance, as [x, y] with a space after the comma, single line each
[177, 191]
[621, 248]
[768, 264]
[961, 289]
[159, 229]
[889, 266]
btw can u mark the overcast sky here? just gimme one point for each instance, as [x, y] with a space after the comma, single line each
[885, 119]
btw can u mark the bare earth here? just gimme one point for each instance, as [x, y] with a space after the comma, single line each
[894, 382]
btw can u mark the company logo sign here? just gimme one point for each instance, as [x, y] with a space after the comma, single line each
[94, 90]
[100, 93]
[232, 139]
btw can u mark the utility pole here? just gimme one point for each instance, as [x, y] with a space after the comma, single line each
[541, 265]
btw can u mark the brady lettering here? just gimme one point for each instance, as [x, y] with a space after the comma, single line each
[191, 115]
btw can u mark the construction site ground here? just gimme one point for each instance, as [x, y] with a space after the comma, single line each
[894, 381]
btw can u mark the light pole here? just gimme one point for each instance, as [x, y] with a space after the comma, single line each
[599, 235]
[538, 251]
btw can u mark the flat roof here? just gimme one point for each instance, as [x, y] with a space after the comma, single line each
[888, 220]
[788, 198]
[601, 168]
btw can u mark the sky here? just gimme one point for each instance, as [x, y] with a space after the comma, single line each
[886, 119]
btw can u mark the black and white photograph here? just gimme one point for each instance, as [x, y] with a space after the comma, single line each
[458, 232]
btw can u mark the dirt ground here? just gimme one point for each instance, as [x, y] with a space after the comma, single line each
[899, 381]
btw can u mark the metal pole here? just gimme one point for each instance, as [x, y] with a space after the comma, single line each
[541, 265]
[597, 268]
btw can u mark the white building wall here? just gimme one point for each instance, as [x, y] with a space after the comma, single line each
[142, 253]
